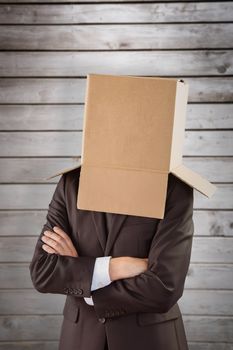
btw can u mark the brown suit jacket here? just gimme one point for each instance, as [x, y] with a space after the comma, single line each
[135, 313]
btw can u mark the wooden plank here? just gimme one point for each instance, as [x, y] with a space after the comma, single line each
[51, 144]
[28, 196]
[29, 327]
[209, 116]
[200, 276]
[29, 144]
[125, 13]
[42, 90]
[221, 251]
[208, 167]
[68, 90]
[209, 276]
[210, 346]
[208, 329]
[206, 302]
[24, 170]
[31, 197]
[195, 302]
[22, 223]
[213, 223]
[208, 143]
[16, 302]
[30, 223]
[204, 250]
[70, 117]
[197, 92]
[221, 199]
[15, 276]
[116, 37]
[57, 117]
[32, 345]
[59, 64]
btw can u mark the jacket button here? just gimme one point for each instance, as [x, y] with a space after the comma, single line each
[102, 319]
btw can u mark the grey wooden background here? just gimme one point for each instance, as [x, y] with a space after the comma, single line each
[46, 51]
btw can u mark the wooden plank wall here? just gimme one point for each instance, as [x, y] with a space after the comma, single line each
[47, 48]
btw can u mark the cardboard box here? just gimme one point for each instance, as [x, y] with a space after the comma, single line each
[133, 138]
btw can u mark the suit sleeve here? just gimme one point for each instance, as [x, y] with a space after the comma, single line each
[60, 274]
[162, 284]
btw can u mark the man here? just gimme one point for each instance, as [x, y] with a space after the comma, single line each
[148, 263]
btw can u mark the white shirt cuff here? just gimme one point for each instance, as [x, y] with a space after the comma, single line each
[89, 300]
[101, 277]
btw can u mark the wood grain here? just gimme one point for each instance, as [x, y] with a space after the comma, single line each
[68, 90]
[65, 64]
[116, 13]
[116, 37]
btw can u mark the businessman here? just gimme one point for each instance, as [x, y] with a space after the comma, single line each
[122, 274]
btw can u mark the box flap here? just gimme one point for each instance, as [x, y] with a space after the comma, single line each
[178, 132]
[62, 172]
[195, 180]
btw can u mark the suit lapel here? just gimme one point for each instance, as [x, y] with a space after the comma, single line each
[117, 222]
[107, 239]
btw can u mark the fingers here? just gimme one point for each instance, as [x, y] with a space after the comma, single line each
[64, 236]
[54, 241]
[67, 240]
[48, 249]
[59, 241]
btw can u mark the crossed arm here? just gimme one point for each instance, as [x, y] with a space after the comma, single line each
[106, 268]
[156, 289]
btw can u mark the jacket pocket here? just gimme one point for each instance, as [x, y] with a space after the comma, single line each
[71, 311]
[147, 318]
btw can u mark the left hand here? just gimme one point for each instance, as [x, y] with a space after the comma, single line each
[58, 242]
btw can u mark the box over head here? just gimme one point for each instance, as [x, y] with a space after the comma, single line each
[133, 137]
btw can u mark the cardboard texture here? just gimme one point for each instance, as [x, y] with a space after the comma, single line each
[133, 135]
